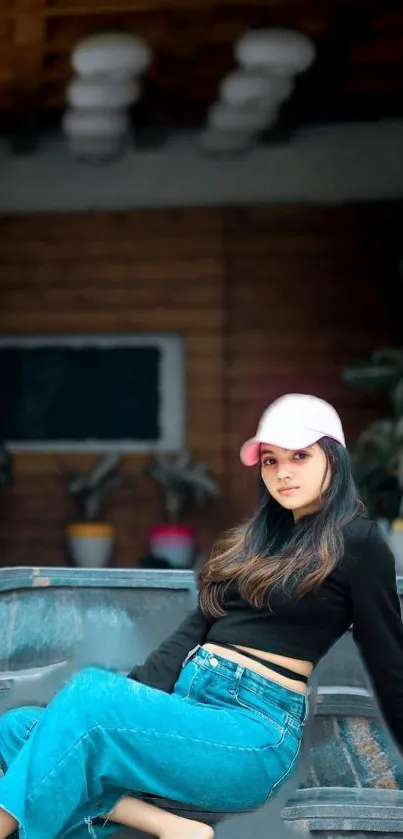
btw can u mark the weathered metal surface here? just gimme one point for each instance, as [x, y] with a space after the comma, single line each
[55, 620]
[346, 810]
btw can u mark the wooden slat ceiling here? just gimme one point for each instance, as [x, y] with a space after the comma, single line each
[358, 73]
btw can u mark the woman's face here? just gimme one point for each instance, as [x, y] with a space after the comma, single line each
[296, 479]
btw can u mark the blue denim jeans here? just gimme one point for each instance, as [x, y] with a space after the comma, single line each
[225, 739]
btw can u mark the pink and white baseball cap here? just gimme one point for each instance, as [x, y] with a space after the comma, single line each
[294, 421]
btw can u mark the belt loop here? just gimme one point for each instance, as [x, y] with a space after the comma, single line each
[234, 686]
[190, 655]
[306, 709]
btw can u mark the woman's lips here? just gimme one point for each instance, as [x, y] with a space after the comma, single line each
[287, 490]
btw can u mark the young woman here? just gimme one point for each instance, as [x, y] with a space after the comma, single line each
[215, 716]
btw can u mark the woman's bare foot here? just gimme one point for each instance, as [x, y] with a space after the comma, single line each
[7, 824]
[176, 827]
[150, 819]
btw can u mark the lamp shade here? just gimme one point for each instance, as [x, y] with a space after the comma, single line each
[102, 93]
[243, 87]
[281, 50]
[110, 54]
[92, 123]
[96, 149]
[214, 141]
[247, 119]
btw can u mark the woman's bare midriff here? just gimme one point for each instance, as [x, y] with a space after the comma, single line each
[304, 668]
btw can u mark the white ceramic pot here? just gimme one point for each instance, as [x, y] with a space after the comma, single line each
[91, 544]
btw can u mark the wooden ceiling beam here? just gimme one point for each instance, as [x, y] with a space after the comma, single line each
[28, 51]
[100, 7]
[381, 48]
[348, 23]
[359, 51]
[155, 118]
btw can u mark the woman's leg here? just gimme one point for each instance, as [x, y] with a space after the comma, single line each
[7, 824]
[142, 816]
[104, 736]
[16, 726]
[138, 814]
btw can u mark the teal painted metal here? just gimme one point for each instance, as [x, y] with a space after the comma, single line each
[55, 620]
[27, 577]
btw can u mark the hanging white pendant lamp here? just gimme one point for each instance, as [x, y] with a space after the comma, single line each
[214, 141]
[95, 135]
[99, 93]
[244, 87]
[116, 54]
[281, 50]
[246, 119]
[95, 123]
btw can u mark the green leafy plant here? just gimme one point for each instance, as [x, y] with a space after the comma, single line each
[90, 490]
[184, 483]
[377, 457]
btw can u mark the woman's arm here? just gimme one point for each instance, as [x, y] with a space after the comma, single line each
[162, 667]
[378, 628]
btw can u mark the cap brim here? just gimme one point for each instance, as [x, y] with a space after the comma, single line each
[250, 451]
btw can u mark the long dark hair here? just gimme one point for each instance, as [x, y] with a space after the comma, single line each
[273, 551]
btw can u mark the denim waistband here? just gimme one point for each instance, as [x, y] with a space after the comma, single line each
[291, 701]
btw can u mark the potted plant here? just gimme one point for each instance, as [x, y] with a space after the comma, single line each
[377, 457]
[90, 539]
[185, 484]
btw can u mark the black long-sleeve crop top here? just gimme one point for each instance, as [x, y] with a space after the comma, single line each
[360, 591]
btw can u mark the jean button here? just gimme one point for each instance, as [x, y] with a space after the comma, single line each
[213, 661]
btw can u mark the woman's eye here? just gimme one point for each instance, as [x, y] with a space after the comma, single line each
[301, 455]
[268, 461]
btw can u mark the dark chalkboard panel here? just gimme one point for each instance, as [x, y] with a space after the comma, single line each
[78, 393]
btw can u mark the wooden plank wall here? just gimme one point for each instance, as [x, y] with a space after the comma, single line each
[269, 299]
[310, 290]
